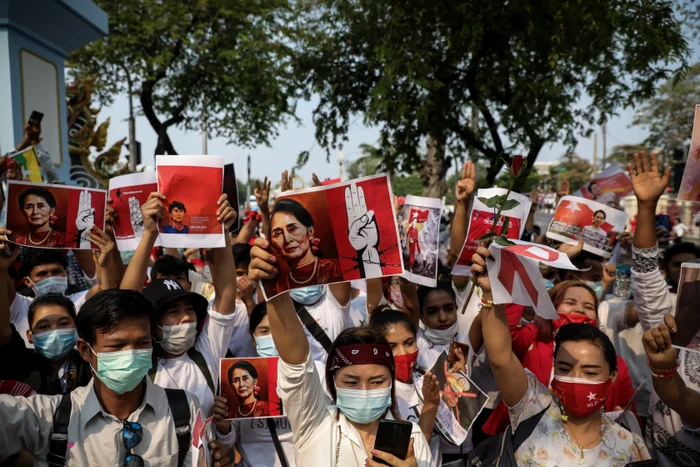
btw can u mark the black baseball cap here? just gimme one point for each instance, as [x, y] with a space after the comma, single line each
[163, 291]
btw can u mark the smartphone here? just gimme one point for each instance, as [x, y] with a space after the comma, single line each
[393, 437]
[36, 117]
[452, 358]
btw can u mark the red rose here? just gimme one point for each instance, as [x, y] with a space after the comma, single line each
[517, 166]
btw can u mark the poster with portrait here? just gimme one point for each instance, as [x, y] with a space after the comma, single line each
[24, 165]
[481, 222]
[250, 386]
[335, 233]
[127, 194]
[192, 186]
[599, 225]
[461, 401]
[690, 185]
[53, 216]
[687, 316]
[202, 434]
[419, 228]
[608, 187]
[231, 189]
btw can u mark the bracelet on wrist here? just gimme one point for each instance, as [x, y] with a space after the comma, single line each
[486, 303]
[663, 373]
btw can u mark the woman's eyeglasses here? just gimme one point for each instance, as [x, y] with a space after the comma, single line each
[132, 434]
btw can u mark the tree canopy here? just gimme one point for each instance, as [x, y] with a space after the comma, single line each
[227, 60]
[416, 69]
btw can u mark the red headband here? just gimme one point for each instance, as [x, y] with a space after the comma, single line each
[362, 354]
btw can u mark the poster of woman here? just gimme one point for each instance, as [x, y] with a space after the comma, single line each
[690, 185]
[687, 315]
[53, 216]
[250, 386]
[419, 227]
[360, 241]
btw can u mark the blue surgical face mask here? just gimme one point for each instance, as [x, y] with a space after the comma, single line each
[53, 284]
[548, 283]
[122, 371]
[55, 344]
[363, 406]
[307, 295]
[266, 346]
[597, 287]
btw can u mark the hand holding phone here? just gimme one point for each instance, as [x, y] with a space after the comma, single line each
[393, 438]
[35, 118]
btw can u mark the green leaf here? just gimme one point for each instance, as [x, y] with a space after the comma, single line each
[503, 241]
[506, 223]
[487, 237]
[493, 201]
[484, 200]
[510, 204]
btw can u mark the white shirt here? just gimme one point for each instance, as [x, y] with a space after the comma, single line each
[241, 344]
[680, 229]
[19, 312]
[331, 317]
[320, 429]
[182, 373]
[410, 408]
[357, 314]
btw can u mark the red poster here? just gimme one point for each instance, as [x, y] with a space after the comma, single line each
[53, 216]
[325, 235]
[128, 193]
[250, 387]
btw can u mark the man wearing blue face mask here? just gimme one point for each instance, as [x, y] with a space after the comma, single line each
[120, 415]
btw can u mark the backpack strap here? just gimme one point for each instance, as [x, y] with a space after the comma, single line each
[525, 429]
[201, 363]
[180, 409]
[313, 327]
[276, 441]
[58, 443]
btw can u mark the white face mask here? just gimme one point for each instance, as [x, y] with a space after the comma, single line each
[441, 336]
[179, 338]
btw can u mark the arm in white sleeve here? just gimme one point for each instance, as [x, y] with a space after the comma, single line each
[651, 295]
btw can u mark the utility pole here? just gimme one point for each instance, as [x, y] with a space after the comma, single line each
[204, 128]
[605, 145]
[248, 188]
[595, 153]
[132, 131]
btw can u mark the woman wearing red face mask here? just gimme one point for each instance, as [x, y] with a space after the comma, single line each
[533, 344]
[400, 331]
[572, 429]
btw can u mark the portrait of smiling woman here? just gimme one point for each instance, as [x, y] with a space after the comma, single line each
[293, 241]
[38, 206]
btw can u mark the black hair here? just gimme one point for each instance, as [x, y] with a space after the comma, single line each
[381, 321]
[178, 205]
[600, 210]
[256, 316]
[52, 299]
[591, 184]
[109, 308]
[360, 335]
[241, 253]
[243, 365]
[36, 257]
[36, 191]
[580, 332]
[680, 248]
[294, 208]
[168, 264]
[424, 291]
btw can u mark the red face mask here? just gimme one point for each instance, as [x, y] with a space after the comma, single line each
[404, 366]
[572, 318]
[581, 397]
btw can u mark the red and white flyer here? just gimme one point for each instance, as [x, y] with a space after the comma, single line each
[599, 225]
[192, 186]
[127, 194]
[690, 185]
[53, 216]
[608, 187]
[419, 228]
[481, 222]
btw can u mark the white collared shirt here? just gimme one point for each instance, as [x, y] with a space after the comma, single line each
[320, 430]
[94, 436]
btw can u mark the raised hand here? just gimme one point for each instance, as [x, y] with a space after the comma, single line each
[85, 218]
[262, 194]
[657, 344]
[648, 184]
[465, 186]
[609, 273]
[8, 252]
[315, 181]
[363, 232]
[262, 263]
[479, 268]
[246, 288]
[110, 217]
[220, 413]
[287, 182]
[152, 212]
[102, 241]
[431, 390]
[225, 213]
[563, 190]
[572, 251]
